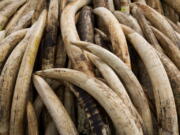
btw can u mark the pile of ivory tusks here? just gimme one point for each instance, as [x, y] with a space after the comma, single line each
[90, 67]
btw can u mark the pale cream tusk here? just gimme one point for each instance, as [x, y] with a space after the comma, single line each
[117, 36]
[56, 109]
[29, 6]
[111, 102]
[164, 99]
[8, 79]
[127, 76]
[12, 23]
[9, 11]
[159, 22]
[169, 47]
[69, 34]
[174, 78]
[24, 77]
[24, 21]
[114, 82]
[8, 44]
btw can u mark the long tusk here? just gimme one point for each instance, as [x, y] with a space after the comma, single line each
[69, 34]
[164, 99]
[32, 120]
[169, 47]
[8, 79]
[116, 85]
[117, 36]
[129, 79]
[174, 78]
[60, 116]
[159, 22]
[79, 60]
[8, 44]
[111, 102]
[24, 75]
[9, 11]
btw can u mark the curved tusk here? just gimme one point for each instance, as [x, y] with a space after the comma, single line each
[111, 102]
[169, 47]
[174, 78]
[115, 84]
[24, 75]
[164, 99]
[117, 36]
[24, 22]
[8, 44]
[159, 22]
[9, 11]
[127, 76]
[32, 120]
[8, 79]
[29, 6]
[69, 34]
[12, 23]
[56, 109]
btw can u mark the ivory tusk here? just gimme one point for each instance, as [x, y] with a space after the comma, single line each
[111, 102]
